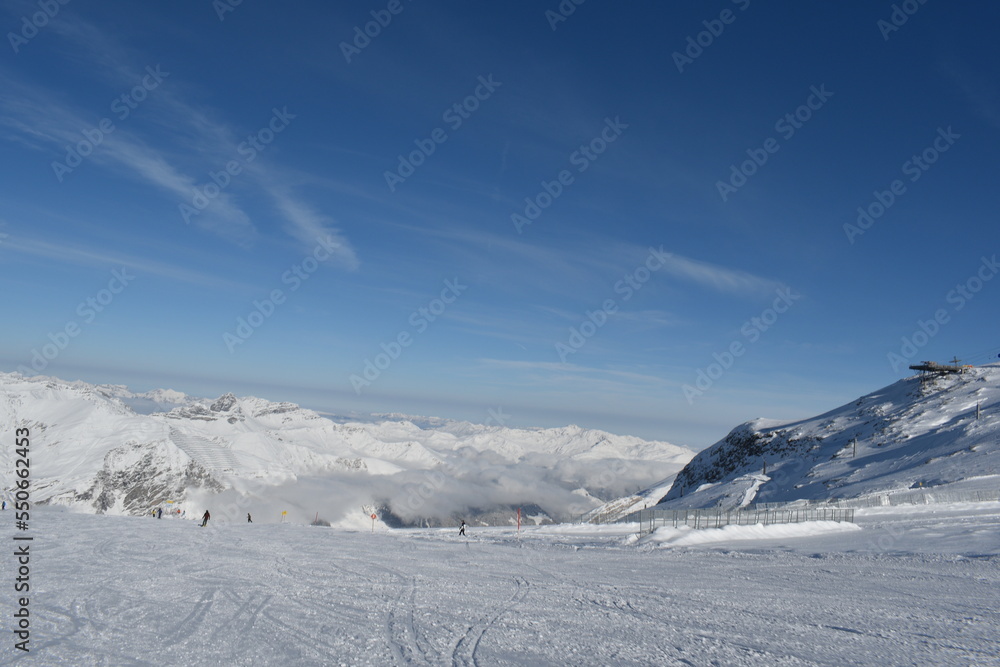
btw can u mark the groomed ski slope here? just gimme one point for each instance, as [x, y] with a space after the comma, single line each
[906, 586]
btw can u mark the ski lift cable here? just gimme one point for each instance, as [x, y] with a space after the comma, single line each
[989, 352]
[982, 355]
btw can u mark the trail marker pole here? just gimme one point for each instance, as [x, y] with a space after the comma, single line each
[374, 516]
[283, 515]
[519, 521]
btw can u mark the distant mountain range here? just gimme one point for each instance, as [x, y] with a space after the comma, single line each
[105, 449]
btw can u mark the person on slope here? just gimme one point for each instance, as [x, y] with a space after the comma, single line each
[461, 529]
[205, 518]
[249, 520]
[159, 513]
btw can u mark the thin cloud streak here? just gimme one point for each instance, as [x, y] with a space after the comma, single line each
[88, 257]
[215, 141]
[556, 367]
[719, 278]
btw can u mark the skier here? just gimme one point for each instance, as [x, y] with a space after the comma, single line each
[159, 513]
[4, 505]
[249, 520]
[461, 529]
[205, 518]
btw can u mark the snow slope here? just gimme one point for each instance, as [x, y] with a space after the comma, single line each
[918, 586]
[908, 435]
[102, 448]
[618, 508]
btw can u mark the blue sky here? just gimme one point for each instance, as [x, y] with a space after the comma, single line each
[167, 173]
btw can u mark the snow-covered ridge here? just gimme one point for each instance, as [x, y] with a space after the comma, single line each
[103, 448]
[914, 433]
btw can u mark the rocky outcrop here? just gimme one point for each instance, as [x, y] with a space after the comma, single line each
[137, 477]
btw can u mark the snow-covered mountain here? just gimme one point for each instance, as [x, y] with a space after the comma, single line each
[102, 448]
[910, 434]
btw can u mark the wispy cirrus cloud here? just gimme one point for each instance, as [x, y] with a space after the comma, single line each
[307, 225]
[38, 117]
[84, 256]
[557, 370]
[718, 278]
[581, 263]
[43, 120]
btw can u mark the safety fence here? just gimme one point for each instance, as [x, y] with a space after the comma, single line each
[920, 497]
[608, 516]
[651, 519]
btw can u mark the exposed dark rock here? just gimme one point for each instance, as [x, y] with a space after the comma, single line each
[143, 483]
[224, 403]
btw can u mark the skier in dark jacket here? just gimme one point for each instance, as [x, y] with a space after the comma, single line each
[249, 520]
[205, 518]
[461, 529]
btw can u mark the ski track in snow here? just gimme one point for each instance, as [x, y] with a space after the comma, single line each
[140, 591]
[400, 632]
[464, 653]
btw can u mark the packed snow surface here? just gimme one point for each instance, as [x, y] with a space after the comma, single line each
[906, 586]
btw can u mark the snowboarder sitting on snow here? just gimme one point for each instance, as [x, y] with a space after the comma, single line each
[205, 518]
[461, 529]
